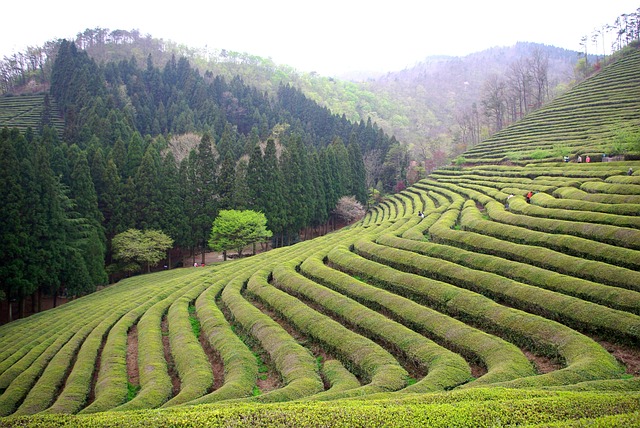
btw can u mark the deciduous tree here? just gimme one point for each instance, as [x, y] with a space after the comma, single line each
[234, 230]
[138, 248]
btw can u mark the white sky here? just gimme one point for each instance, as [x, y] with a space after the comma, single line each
[327, 36]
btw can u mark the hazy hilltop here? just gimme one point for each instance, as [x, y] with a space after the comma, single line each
[439, 91]
[436, 108]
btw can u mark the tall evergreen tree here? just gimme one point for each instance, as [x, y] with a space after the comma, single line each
[255, 179]
[201, 181]
[173, 221]
[240, 199]
[272, 196]
[92, 243]
[147, 197]
[13, 227]
[358, 182]
[296, 187]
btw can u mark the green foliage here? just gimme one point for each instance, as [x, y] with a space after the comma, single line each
[234, 230]
[141, 247]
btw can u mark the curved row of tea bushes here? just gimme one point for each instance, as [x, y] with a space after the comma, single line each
[612, 188]
[77, 387]
[444, 369]
[194, 369]
[559, 233]
[89, 337]
[549, 201]
[519, 206]
[572, 245]
[240, 366]
[377, 366]
[339, 378]
[617, 298]
[46, 364]
[296, 365]
[111, 386]
[30, 371]
[502, 360]
[537, 256]
[624, 179]
[574, 312]
[585, 359]
[602, 198]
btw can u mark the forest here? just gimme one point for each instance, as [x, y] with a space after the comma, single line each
[167, 149]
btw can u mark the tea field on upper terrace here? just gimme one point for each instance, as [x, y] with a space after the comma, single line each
[487, 311]
[24, 111]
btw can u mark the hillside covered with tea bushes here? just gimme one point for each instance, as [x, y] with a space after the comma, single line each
[459, 301]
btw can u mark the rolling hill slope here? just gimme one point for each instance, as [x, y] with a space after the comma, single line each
[486, 310]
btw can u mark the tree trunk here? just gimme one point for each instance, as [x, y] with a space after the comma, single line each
[7, 293]
[55, 298]
[21, 307]
[33, 301]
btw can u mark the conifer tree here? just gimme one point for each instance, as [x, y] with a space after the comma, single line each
[13, 228]
[173, 220]
[240, 195]
[358, 185]
[255, 180]
[147, 200]
[92, 242]
[296, 187]
[135, 152]
[202, 185]
[272, 196]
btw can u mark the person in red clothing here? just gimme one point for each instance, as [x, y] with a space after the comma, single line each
[528, 197]
[588, 159]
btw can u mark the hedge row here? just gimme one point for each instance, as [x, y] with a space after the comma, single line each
[519, 206]
[617, 298]
[585, 359]
[445, 369]
[551, 233]
[240, 367]
[535, 255]
[549, 201]
[502, 360]
[484, 408]
[374, 364]
[194, 369]
[573, 193]
[155, 384]
[296, 365]
[612, 188]
[574, 312]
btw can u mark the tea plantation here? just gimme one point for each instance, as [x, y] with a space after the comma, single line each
[489, 310]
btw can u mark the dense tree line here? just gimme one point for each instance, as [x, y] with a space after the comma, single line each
[115, 167]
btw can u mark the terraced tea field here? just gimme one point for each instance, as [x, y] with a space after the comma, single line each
[487, 311]
[25, 111]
